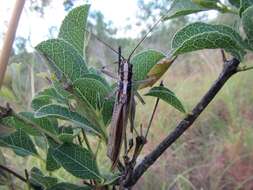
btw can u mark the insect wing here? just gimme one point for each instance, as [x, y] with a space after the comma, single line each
[115, 133]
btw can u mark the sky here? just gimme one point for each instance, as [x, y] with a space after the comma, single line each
[120, 12]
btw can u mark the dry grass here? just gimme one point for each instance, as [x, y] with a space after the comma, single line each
[216, 153]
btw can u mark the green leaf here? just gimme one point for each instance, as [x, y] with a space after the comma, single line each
[146, 65]
[247, 21]
[50, 125]
[93, 70]
[94, 93]
[6, 130]
[199, 36]
[51, 93]
[63, 94]
[63, 112]
[182, 8]
[19, 142]
[38, 178]
[77, 160]
[51, 163]
[84, 188]
[47, 96]
[211, 5]
[244, 4]
[235, 3]
[40, 142]
[91, 91]
[68, 186]
[67, 134]
[14, 122]
[39, 101]
[166, 95]
[73, 25]
[107, 111]
[63, 58]
[99, 78]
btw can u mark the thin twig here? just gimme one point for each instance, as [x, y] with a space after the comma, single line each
[27, 179]
[13, 173]
[244, 68]
[10, 36]
[152, 117]
[153, 114]
[223, 55]
[229, 69]
[79, 140]
[86, 140]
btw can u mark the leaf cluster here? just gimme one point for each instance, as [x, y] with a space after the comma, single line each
[76, 107]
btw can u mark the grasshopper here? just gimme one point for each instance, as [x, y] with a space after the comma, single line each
[124, 106]
[120, 110]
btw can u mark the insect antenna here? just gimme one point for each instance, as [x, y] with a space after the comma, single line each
[145, 36]
[104, 43]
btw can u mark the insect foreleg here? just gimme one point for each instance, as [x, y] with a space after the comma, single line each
[109, 73]
[145, 82]
[112, 94]
[137, 94]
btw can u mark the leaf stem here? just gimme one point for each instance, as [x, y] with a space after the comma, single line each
[153, 114]
[79, 140]
[86, 140]
[152, 117]
[98, 147]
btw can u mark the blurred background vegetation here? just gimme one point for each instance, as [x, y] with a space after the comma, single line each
[216, 153]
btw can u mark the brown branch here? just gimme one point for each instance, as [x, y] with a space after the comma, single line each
[229, 69]
[10, 36]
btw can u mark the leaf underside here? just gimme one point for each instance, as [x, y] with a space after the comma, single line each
[64, 59]
[247, 21]
[77, 160]
[244, 4]
[63, 112]
[20, 142]
[72, 27]
[166, 95]
[183, 8]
